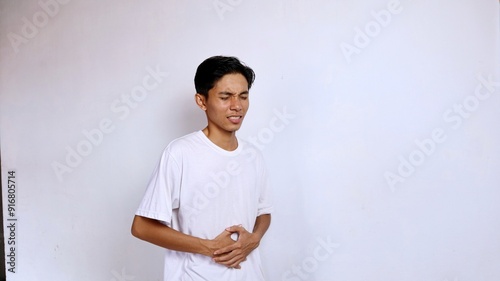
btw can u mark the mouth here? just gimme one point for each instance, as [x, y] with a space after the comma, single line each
[235, 119]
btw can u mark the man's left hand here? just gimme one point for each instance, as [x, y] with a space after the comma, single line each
[236, 253]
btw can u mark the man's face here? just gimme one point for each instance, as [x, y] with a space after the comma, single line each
[227, 103]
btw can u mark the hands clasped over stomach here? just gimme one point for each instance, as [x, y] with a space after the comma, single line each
[232, 252]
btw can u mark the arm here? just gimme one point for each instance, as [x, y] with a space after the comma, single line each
[153, 231]
[236, 253]
[262, 223]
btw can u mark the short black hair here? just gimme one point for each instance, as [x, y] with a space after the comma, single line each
[213, 68]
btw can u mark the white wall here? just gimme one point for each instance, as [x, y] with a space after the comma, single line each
[367, 88]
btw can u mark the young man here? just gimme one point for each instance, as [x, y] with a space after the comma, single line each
[208, 200]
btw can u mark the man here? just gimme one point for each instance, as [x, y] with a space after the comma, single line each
[208, 200]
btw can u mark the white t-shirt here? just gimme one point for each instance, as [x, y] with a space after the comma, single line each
[200, 189]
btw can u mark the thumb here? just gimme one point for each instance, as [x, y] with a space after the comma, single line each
[235, 228]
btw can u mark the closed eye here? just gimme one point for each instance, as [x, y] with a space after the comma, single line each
[225, 96]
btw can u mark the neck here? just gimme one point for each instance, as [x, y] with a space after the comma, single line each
[224, 140]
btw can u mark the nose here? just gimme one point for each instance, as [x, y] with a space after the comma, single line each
[235, 104]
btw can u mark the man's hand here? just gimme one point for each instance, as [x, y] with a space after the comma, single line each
[236, 252]
[222, 248]
[222, 240]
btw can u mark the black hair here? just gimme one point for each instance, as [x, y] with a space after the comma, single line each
[214, 68]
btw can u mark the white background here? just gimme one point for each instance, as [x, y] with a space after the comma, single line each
[362, 83]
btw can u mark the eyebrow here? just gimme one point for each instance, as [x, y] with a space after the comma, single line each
[232, 94]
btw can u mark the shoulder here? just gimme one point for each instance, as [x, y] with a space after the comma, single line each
[179, 146]
[186, 140]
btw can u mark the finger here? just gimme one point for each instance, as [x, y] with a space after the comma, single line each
[233, 262]
[235, 228]
[237, 263]
[226, 249]
[232, 258]
[225, 258]
[235, 267]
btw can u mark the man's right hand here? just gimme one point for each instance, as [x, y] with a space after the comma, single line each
[222, 240]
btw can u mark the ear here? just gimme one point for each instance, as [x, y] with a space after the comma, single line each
[200, 101]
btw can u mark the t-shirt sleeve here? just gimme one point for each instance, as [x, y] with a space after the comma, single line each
[162, 193]
[265, 201]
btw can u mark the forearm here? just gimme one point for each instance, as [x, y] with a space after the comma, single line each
[153, 231]
[262, 223]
